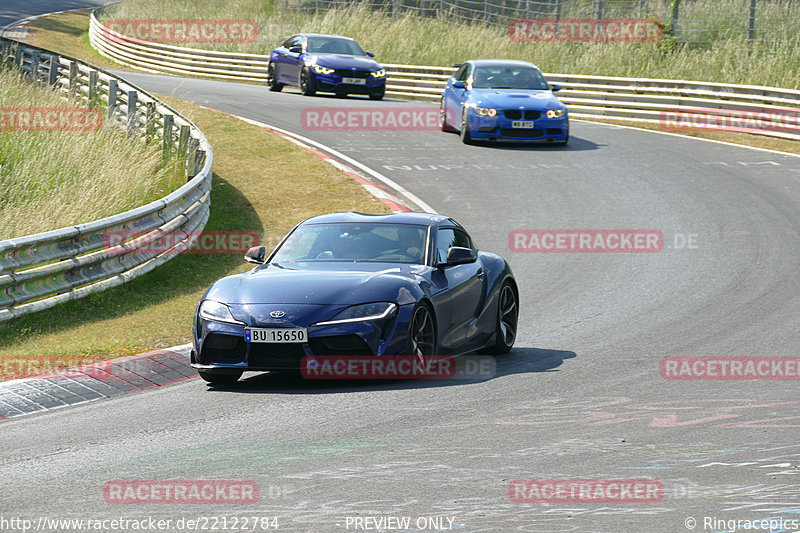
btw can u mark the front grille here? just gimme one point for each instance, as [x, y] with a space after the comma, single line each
[554, 131]
[347, 73]
[339, 345]
[517, 114]
[520, 133]
[218, 348]
[275, 355]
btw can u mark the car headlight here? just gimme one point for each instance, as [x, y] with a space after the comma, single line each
[363, 312]
[212, 310]
[486, 111]
[378, 73]
[319, 69]
[555, 113]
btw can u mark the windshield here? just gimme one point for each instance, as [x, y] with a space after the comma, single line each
[334, 45]
[509, 78]
[370, 242]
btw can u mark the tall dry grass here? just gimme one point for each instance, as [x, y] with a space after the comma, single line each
[53, 179]
[772, 59]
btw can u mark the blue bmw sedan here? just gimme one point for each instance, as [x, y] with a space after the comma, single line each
[326, 63]
[503, 100]
[408, 284]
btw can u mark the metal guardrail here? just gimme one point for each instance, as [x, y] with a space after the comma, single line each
[589, 97]
[39, 271]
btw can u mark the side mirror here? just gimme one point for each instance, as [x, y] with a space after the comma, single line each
[370, 54]
[555, 87]
[458, 84]
[457, 255]
[295, 49]
[256, 254]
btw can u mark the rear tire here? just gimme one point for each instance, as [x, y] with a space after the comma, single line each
[443, 124]
[272, 79]
[507, 320]
[220, 378]
[307, 84]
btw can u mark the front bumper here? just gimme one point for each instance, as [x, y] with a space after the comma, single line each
[501, 128]
[221, 345]
[333, 83]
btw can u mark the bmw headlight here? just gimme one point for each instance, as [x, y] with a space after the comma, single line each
[212, 310]
[319, 69]
[358, 313]
[378, 73]
[486, 111]
[555, 113]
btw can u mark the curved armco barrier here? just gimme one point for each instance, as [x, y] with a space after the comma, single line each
[42, 270]
[674, 104]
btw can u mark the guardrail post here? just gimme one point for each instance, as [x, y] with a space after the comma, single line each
[18, 59]
[92, 88]
[166, 139]
[598, 9]
[133, 98]
[191, 158]
[149, 121]
[73, 78]
[183, 141]
[751, 21]
[36, 57]
[112, 98]
[52, 72]
[675, 11]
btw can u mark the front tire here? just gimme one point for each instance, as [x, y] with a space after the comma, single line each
[422, 332]
[507, 320]
[466, 136]
[220, 378]
[307, 84]
[272, 79]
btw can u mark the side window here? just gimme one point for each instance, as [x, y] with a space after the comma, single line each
[288, 43]
[463, 72]
[293, 41]
[447, 238]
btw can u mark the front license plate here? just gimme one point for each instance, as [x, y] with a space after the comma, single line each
[525, 124]
[354, 81]
[275, 335]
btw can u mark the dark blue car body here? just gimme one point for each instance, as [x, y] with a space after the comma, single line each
[503, 100]
[326, 63]
[462, 299]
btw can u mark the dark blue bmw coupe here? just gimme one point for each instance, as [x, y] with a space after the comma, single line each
[357, 284]
[326, 63]
[503, 100]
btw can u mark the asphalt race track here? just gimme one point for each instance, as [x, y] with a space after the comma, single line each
[580, 397]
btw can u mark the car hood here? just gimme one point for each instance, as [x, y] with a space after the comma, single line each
[320, 283]
[515, 99]
[344, 61]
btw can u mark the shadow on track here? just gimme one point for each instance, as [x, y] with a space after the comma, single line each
[518, 361]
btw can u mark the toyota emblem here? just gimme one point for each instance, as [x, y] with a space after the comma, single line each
[277, 314]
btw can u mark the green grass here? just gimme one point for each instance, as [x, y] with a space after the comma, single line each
[729, 58]
[53, 179]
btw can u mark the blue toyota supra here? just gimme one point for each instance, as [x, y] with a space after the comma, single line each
[408, 284]
[326, 63]
[503, 100]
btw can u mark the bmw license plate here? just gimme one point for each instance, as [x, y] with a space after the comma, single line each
[354, 81]
[526, 124]
[275, 335]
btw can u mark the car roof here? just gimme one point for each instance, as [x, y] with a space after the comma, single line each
[501, 63]
[408, 217]
[324, 35]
